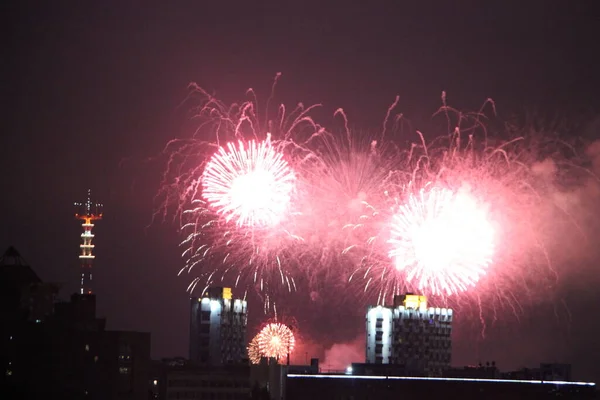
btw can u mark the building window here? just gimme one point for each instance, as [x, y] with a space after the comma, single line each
[378, 336]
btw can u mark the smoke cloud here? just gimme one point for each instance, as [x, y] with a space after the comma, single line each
[339, 356]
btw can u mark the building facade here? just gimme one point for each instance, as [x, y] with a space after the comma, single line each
[218, 328]
[411, 335]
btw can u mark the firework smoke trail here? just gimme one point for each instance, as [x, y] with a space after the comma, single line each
[275, 340]
[232, 185]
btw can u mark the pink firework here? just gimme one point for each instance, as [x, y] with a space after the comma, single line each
[250, 184]
[442, 241]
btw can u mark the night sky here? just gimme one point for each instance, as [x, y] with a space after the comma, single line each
[92, 91]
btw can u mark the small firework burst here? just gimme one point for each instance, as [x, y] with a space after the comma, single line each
[275, 340]
[254, 351]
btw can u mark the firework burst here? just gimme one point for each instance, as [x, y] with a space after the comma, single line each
[254, 354]
[442, 241]
[466, 213]
[233, 187]
[275, 340]
[248, 183]
[470, 215]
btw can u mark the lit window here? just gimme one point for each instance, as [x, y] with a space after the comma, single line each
[87, 347]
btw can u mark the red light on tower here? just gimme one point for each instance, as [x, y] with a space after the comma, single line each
[88, 213]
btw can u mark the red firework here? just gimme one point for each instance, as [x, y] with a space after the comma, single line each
[250, 184]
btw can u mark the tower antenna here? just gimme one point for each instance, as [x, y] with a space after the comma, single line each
[87, 212]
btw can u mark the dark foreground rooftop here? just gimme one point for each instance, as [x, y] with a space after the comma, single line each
[322, 386]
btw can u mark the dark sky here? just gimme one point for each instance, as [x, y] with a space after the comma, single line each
[90, 92]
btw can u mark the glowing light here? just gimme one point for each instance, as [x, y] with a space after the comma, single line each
[421, 378]
[275, 340]
[443, 241]
[250, 184]
[254, 351]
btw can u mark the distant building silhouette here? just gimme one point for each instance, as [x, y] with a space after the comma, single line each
[63, 351]
[23, 294]
[218, 328]
[173, 379]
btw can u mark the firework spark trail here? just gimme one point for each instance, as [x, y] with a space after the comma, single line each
[346, 173]
[443, 241]
[233, 186]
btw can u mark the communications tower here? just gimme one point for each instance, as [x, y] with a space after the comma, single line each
[88, 213]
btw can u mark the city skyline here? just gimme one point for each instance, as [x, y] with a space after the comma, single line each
[97, 112]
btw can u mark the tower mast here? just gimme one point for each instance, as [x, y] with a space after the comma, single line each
[88, 213]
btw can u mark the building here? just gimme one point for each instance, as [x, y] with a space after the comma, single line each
[22, 292]
[481, 371]
[189, 381]
[358, 387]
[218, 328]
[545, 372]
[411, 335]
[62, 350]
[71, 355]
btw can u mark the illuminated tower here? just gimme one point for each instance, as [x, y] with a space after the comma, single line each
[88, 213]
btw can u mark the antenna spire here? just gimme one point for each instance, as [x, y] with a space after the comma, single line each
[87, 212]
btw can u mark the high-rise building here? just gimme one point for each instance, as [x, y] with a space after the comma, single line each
[218, 328]
[410, 335]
